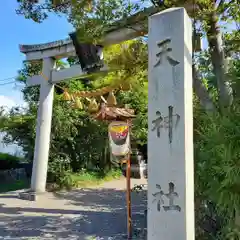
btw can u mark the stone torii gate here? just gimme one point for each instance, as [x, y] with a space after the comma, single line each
[170, 117]
[48, 53]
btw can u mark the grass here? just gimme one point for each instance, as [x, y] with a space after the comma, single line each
[20, 184]
[94, 178]
[72, 180]
[83, 179]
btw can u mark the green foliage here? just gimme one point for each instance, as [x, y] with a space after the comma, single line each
[91, 18]
[8, 161]
[2, 118]
[30, 94]
[137, 100]
[216, 138]
[20, 128]
[85, 178]
[17, 185]
[217, 170]
[217, 154]
[58, 172]
[78, 141]
[9, 157]
[61, 176]
[235, 76]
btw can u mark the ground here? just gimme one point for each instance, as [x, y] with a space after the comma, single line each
[85, 214]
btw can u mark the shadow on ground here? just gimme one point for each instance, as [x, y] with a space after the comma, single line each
[95, 213]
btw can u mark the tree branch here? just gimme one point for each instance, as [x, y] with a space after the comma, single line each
[201, 91]
[221, 2]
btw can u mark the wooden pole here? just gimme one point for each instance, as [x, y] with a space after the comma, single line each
[129, 210]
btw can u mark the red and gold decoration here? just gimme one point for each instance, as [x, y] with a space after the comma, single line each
[119, 138]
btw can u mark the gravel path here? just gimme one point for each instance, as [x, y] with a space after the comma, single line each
[85, 214]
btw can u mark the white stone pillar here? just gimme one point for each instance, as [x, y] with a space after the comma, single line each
[170, 127]
[43, 131]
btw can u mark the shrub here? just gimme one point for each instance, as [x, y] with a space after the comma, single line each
[61, 176]
[217, 168]
[8, 161]
[59, 171]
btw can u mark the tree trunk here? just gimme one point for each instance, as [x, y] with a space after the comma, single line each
[201, 91]
[218, 60]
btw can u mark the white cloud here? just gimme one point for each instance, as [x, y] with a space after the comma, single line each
[7, 102]
[13, 149]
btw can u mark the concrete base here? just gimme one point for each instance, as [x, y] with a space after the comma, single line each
[29, 195]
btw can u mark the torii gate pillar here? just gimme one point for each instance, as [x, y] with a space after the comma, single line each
[43, 131]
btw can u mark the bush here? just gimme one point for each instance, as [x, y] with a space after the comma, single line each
[217, 168]
[61, 176]
[8, 161]
[17, 185]
[59, 171]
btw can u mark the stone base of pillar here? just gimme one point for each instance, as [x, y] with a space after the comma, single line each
[29, 195]
[143, 170]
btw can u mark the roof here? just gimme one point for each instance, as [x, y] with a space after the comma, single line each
[44, 46]
[114, 113]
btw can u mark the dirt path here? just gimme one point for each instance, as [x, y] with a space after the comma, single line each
[90, 213]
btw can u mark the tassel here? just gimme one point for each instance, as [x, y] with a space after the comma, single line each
[111, 100]
[93, 106]
[67, 96]
[78, 104]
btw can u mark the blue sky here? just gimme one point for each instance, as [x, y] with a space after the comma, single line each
[17, 30]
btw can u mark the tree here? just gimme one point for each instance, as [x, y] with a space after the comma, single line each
[75, 136]
[93, 17]
[2, 117]
[215, 81]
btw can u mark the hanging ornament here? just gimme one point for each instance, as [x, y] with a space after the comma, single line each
[78, 104]
[73, 97]
[111, 100]
[93, 106]
[81, 93]
[67, 96]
